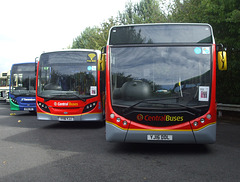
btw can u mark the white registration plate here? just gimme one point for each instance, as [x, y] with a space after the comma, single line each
[160, 137]
[28, 109]
[66, 119]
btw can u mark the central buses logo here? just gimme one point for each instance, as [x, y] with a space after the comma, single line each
[65, 104]
[140, 117]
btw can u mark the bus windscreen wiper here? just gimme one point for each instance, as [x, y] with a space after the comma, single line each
[29, 94]
[50, 98]
[63, 97]
[190, 109]
[126, 110]
[78, 96]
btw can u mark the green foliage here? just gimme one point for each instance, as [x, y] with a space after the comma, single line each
[228, 82]
[95, 37]
[89, 39]
[146, 11]
[224, 16]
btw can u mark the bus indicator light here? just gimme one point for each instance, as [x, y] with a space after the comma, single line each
[209, 116]
[195, 123]
[112, 115]
[202, 120]
[118, 120]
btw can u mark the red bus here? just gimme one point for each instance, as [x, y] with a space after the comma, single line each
[161, 84]
[68, 86]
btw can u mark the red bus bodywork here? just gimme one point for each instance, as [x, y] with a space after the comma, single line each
[89, 109]
[120, 129]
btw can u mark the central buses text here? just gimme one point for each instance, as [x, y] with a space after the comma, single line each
[65, 104]
[140, 117]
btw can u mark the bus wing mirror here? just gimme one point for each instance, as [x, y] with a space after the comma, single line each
[101, 63]
[36, 62]
[222, 60]
[222, 57]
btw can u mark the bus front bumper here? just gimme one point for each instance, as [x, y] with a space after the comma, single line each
[206, 135]
[84, 117]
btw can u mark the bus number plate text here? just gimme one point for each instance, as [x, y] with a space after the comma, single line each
[160, 137]
[66, 119]
[28, 109]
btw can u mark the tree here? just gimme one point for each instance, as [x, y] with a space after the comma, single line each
[146, 11]
[224, 16]
[89, 39]
[95, 37]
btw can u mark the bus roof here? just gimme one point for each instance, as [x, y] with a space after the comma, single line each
[161, 33]
[20, 66]
[23, 63]
[72, 50]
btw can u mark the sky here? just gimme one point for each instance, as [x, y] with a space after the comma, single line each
[30, 27]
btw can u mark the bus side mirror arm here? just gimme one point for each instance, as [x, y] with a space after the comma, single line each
[36, 61]
[103, 51]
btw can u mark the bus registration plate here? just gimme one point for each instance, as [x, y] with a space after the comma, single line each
[28, 109]
[66, 119]
[160, 137]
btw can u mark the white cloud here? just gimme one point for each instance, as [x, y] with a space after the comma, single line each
[29, 27]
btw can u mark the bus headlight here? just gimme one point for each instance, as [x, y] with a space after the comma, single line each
[118, 120]
[112, 115]
[202, 120]
[89, 107]
[43, 106]
[14, 101]
[209, 116]
[195, 123]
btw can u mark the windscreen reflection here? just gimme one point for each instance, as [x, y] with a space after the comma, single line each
[68, 75]
[23, 79]
[171, 74]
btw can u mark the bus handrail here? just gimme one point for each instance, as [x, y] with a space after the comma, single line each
[228, 107]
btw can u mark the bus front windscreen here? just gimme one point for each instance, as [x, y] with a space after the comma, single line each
[160, 77]
[23, 79]
[67, 75]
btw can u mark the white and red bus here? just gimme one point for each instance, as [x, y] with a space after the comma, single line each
[68, 86]
[4, 85]
[161, 83]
